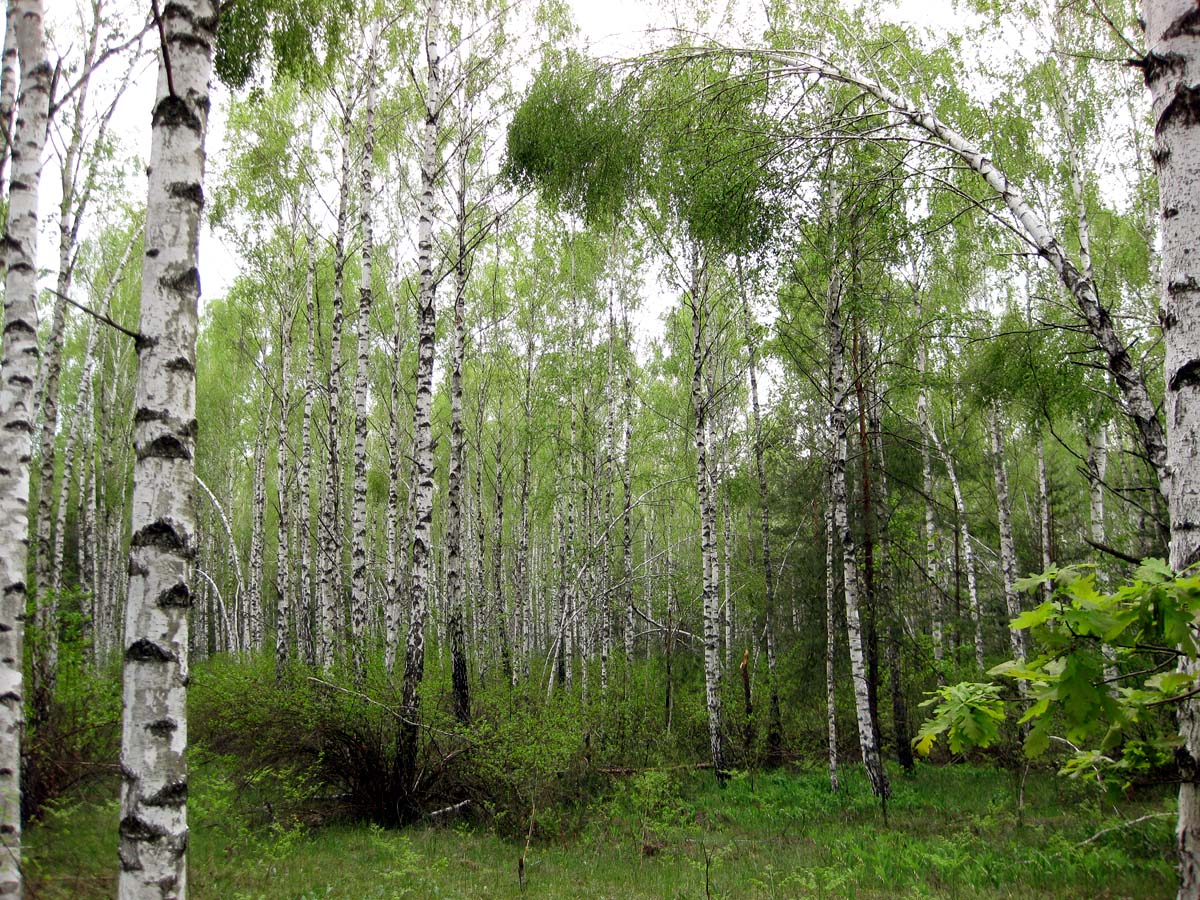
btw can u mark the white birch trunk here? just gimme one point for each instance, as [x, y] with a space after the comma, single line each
[460, 683]
[414, 660]
[1172, 72]
[18, 371]
[1008, 552]
[9, 76]
[931, 551]
[307, 487]
[329, 515]
[968, 550]
[830, 645]
[282, 556]
[359, 594]
[712, 660]
[254, 596]
[872, 760]
[154, 788]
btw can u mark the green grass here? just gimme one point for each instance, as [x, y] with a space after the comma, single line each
[952, 832]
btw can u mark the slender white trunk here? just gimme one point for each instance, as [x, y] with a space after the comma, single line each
[359, 594]
[708, 550]
[73, 202]
[460, 683]
[307, 485]
[414, 660]
[876, 773]
[1044, 511]
[282, 556]
[9, 76]
[830, 646]
[968, 549]
[154, 788]
[931, 550]
[18, 371]
[1172, 72]
[1008, 552]
[254, 596]
[330, 515]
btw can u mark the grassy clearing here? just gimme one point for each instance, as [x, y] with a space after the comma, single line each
[952, 832]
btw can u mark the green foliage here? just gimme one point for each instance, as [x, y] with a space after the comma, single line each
[301, 37]
[573, 137]
[969, 714]
[72, 736]
[1082, 635]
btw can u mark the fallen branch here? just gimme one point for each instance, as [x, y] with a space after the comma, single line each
[449, 810]
[1101, 833]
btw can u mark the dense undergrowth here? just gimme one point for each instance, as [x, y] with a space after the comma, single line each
[295, 789]
[952, 832]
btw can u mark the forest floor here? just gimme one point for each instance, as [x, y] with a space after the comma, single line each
[952, 831]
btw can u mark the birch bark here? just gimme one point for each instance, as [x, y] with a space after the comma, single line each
[153, 829]
[876, 773]
[414, 660]
[712, 659]
[454, 515]
[1008, 551]
[968, 550]
[1172, 72]
[18, 371]
[359, 603]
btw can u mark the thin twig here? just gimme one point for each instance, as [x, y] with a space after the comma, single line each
[100, 317]
[162, 40]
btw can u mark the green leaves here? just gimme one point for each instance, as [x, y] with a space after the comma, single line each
[969, 714]
[301, 36]
[573, 137]
[1083, 684]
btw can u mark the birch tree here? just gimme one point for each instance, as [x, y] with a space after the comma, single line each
[18, 372]
[154, 721]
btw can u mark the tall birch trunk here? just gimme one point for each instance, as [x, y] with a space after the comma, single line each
[18, 372]
[329, 515]
[1044, 512]
[1008, 551]
[700, 405]
[775, 717]
[876, 773]
[831, 640]
[968, 550]
[307, 486]
[1172, 72]
[931, 550]
[9, 77]
[153, 825]
[454, 515]
[282, 556]
[359, 593]
[257, 535]
[414, 659]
